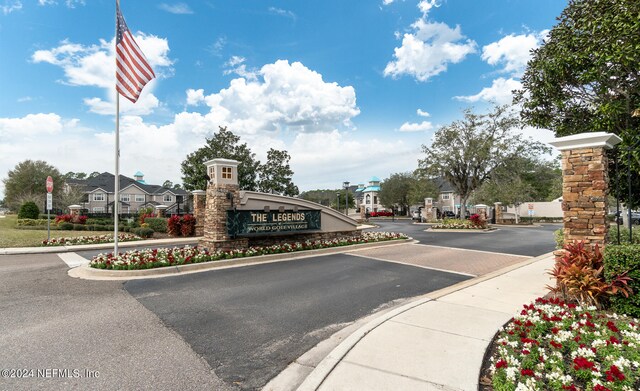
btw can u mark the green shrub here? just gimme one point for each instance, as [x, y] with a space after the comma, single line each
[79, 227]
[157, 224]
[31, 222]
[99, 221]
[558, 236]
[29, 210]
[619, 259]
[65, 226]
[624, 235]
[142, 232]
[99, 227]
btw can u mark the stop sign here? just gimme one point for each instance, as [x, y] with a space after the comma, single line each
[49, 184]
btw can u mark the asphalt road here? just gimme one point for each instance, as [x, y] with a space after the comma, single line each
[249, 323]
[224, 329]
[530, 241]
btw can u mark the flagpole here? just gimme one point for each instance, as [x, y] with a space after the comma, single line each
[117, 176]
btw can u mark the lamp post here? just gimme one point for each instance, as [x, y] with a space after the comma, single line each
[345, 185]
[338, 201]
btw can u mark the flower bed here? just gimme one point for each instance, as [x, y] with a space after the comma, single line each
[460, 224]
[89, 240]
[551, 345]
[148, 259]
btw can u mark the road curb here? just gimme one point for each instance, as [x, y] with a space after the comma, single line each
[326, 366]
[88, 273]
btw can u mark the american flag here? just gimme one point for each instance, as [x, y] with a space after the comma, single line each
[132, 69]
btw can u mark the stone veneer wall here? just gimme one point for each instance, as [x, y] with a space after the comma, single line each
[198, 212]
[215, 219]
[584, 195]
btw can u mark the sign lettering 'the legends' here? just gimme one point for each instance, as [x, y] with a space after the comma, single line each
[258, 222]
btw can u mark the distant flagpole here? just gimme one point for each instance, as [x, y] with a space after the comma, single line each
[133, 72]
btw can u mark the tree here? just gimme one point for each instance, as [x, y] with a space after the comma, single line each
[71, 195]
[276, 174]
[323, 197]
[92, 175]
[223, 144]
[394, 191]
[168, 184]
[177, 186]
[521, 180]
[586, 77]
[26, 182]
[422, 187]
[467, 151]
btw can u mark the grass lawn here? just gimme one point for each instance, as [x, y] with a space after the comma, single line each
[12, 237]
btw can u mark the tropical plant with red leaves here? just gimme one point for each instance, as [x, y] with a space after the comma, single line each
[579, 275]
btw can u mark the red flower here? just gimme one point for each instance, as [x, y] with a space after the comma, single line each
[614, 374]
[501, 364]
[556, 345]
[570, 388]
[582, 363]
[612, 326]
[527, 372]
[598, 387]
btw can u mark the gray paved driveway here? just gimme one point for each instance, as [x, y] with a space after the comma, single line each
[508, 240]
[249, 323]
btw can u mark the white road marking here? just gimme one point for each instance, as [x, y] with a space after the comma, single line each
[411, 264]
[72, 259]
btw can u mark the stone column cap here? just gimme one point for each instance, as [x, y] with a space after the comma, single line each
[75, 207]
[586, 140]
[162, 206]
[198, 192]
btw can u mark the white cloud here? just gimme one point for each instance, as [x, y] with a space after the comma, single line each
[24, 99]
[387, 2]
[93, 65]
[68, 3]
[10, 6]
[512, 52]
[30, 125]
[422, 113]
[282, 12]
[236, 65]
[195, 97]
[500, 92]
[178, 8]
[426, 5]
[416, 127]
[429, 49]
[282, 96]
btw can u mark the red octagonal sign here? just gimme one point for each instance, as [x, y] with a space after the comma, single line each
[49, 184]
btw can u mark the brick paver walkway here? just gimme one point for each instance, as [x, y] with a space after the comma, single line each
[472, 262]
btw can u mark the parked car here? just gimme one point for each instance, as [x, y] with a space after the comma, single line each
[447, 214]
[635, 218]
[415, 215]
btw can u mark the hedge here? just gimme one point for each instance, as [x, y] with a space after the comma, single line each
[158, 224]
[142, 232]
[32, 222]
[618, 259]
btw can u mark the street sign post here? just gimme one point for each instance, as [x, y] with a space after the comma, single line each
[49, 205]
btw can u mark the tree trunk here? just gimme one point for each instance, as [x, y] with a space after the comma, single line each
[463, 208]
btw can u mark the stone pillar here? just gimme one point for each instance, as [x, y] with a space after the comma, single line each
[160, 210]
[428, 209]
[199, 206]
[74, 211]
[363, 215]
[498, 212]
[585, 186]
[222, 194]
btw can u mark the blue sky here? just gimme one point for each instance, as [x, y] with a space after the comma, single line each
[351, 89]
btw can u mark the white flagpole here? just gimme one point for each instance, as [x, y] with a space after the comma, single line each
[117, 178]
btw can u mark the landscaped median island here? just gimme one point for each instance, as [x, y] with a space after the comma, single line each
[475, 222]
[96, 239]
[149, 259]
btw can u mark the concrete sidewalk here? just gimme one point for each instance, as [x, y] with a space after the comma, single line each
[435, 343]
